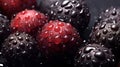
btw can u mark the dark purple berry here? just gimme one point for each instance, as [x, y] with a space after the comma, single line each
[94, 55]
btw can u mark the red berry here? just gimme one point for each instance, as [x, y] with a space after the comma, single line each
[10, 7]
[58, 36]
[28, 21]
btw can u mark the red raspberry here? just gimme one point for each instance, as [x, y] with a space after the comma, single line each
[28, 21]
[58, 36]
[10, 7]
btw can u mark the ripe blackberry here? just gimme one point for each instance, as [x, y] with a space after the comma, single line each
[94, 55]
[75, 12]
[107, 30]
[107, 34]
[19, 49]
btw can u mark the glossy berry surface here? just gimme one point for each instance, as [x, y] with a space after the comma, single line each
[28, 21]
[20, 49]
[18, 44]
[57, 36]
[75, 12]
[109, 14]
[107, 30]
[94, 55]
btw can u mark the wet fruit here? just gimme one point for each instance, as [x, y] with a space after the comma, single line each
[20, 49]
[57, 36]
[94, 55]
[28, 21]
[75, 12]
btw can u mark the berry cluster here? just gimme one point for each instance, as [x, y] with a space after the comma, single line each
[50, 34]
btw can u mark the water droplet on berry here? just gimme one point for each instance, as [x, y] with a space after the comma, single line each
[66, 2]
[88, 49]
[114, 12]
[57, 40]
[14, 42]
[57, 29]
[60, 24]
[5, 4]
[100, 55]
[114, 27]
[98, 35]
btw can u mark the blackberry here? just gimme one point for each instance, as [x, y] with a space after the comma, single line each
[107, 33]
[94, 55]
[107, 30]
[75, 12]
[20, 49]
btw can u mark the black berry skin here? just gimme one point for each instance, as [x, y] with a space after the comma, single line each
[110, 14]
[94, 55]
[75, 12]
[19, 48]
[4, 27]
[107, 30]
[107, 34]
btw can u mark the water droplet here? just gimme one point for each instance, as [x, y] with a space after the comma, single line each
[73, 1]
[88, 49]
[105, 31]
[14, 42]
[5, 4]
[114, 27]
[88, 57]
[60, 10]
[98, 35]
[78, 6]
[114, 12]
[69, 6]
[74, 14]
[57, 29]
[57, 40]
[20, 38]
[72, 39]
[100, 55]
[66, 2]
[67, 12]
[107, 10]
[60, 24]
[102, 26]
